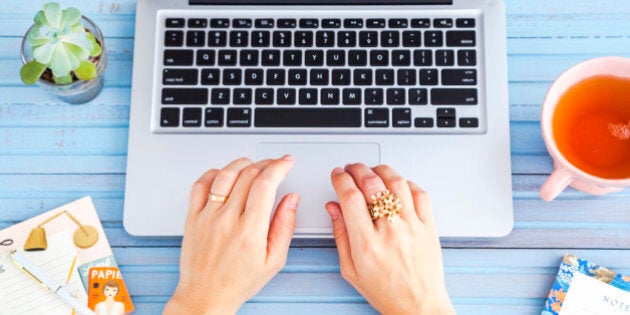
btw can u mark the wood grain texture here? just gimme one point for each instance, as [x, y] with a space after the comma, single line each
[52, 153]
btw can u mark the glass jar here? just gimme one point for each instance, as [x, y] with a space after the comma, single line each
[80, 91]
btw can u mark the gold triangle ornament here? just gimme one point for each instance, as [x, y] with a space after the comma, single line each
[84, 237]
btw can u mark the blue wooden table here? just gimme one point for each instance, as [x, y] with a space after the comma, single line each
[52, 153]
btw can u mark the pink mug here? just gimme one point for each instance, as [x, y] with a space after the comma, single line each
[566, 174]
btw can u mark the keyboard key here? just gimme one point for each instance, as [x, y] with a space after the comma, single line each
[376, 117]
[220, 96]
[422, 57]
[287, 23]
[460, 38]
[401, 117]
[418, 97]
[459, 77]
[412, 39]
[336, 58]
[304, 39]
[420, 23]
[469, 122]
[309, 23]
[264, 96]
[174, 23]
[249, 57]
[210, 76]
[390, 38]
[232, 76]
[454, 96]
[379, 58]
[264, 23]
[282, 39]
[173, 38]
[446, 122]
[446, 112]
[239, 117]
[192, 117]
[375, 23]
[242, 23]
[197, 23]
[239, 38]
[242, 96]
[395, 96]
[353, 23]
[443, 23]
[362, 76]
[276, 76]
[423, 122]
[406, 77]
[331, 23]
[180, 76]
[433, 39]
[465, 23]
[357, 58]
[384, 77]
[270, 57]
[330, 96]
[297, 76]
[286, 97]
[398, 23]
[195, 38]
[428, 77]
[346, 39]
[188, 96]
[466, 58]
[219, 23]
[308, 97]
[373, 96]
[444, 57]
[205, 57]
[253, 76]
[325, 39]
[169, 117]
[292, 58]
[217, 38]
[227, 57]
[341, 77]
[319, 77]
[260, 38]
[314, 57]
[214, 117]
[178, 57]
[401, 58]
[308, 117]
[368, 38]
[351, 97]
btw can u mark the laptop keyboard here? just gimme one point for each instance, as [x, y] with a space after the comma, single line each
[284, 73]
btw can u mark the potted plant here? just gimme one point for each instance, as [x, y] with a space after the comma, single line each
[64, 53]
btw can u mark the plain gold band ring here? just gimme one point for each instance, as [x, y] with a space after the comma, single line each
[217, 198]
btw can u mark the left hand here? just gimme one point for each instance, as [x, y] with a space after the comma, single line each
[231, 250]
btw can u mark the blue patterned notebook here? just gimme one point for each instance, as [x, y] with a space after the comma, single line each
[582, 287]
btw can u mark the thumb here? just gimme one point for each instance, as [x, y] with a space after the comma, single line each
[346, 265]
[281, 230]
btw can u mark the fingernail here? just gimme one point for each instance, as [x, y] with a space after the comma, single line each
[287, 157]
[294, 200]
[333, 213]
[337, 170]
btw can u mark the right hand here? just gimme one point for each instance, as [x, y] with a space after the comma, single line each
[396, 266]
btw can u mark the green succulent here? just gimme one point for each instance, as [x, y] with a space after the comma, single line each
[59, 42]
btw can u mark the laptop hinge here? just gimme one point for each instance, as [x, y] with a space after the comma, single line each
[319, 2]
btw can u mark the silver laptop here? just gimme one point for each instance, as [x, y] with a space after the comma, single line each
[420, 85]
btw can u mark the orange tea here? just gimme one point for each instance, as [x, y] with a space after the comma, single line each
[591, 126]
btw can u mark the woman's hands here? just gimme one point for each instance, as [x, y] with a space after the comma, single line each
[396, 266]
[231, 250]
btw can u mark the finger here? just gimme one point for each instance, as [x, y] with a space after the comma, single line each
[199, 192]
[262, 194]
[368, 182]
[353, 206]
[281, 230]
[240, 191]
[397, 185]
[225, 179]
[422, 204]
[340, 232]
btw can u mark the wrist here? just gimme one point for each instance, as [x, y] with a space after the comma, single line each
[195, 301]
[429, 305]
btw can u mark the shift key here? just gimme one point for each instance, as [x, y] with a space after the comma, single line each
[185, 96]
[454, 97]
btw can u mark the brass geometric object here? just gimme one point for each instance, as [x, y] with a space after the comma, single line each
[84, 237]
[36, 240]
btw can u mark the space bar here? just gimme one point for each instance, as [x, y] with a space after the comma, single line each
[307, 117]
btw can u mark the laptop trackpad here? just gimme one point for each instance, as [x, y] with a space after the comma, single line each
[310, 177]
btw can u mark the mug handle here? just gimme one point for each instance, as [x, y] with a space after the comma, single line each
[555, 183]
